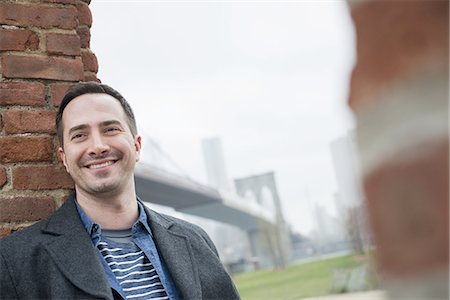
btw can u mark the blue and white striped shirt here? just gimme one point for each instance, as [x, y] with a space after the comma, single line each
[141, 236]
[136, 274]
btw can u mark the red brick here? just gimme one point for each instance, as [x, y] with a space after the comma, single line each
[84, 14]
[38, 15]
[89, 61]
[62, 1]
[25, 149]
[394, 38]
[17, 39]
[24, 121]
[41, 178]
[31, 66]
[63, 44]
[22, 93]
[409, 212]
[57, 91]
[3, 178]
[85, 36]
[19, 209]
[88, 76]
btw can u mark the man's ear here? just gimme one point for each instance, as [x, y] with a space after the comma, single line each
[138, 146]
[62, 156]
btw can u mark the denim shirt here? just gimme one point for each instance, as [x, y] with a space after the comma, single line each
[143, 237]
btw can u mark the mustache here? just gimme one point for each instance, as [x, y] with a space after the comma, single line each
[113, 155]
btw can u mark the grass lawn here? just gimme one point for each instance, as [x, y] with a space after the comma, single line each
[295, 282]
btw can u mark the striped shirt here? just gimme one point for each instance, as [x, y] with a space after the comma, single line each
[140, 235]
[132, 269]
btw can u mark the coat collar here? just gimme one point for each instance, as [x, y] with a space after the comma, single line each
[176, 251]
[72, 250]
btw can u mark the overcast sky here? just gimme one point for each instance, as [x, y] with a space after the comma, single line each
[270, 78]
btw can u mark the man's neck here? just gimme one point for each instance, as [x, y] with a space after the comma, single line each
[117, 212]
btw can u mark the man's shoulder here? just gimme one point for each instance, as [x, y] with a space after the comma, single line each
[176, 224]
[24, 238]
[29, 236]
[170, 221]
[195, 233]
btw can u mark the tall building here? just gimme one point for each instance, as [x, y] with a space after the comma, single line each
[215, 164]
[346, 171]
[349, 197]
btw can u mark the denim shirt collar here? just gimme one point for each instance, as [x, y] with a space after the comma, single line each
[94, 229]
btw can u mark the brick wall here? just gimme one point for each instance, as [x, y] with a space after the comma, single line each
[399, 94]
[44, 48]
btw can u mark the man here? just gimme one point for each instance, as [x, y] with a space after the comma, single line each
[103, 242]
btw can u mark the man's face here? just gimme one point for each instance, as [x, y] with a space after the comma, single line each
[99, 150]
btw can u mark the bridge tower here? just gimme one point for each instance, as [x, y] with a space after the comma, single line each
[263, 189]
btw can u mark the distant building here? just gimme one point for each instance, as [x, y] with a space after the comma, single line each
[349, 197]
[329, 228]
[215, 164]
[347, 171]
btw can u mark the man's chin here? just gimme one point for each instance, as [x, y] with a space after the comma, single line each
[103, 190]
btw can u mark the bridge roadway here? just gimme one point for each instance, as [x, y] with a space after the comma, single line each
[187, 196]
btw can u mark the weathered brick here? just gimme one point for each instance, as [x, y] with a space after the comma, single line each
[63, 44]
[24, 121]
[62, 1]
[41, 177]
[17, 39]
[22, 93]
[3, 178]
[31, 66]
[409, 211]
[84, 14]
[393, 39]
[38, 15]
[20, 209]
[89, 76]
[85, 36]
[57, 92]
[25, 149]
[89, 61]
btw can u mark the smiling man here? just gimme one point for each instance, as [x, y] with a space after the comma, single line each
[103, 243]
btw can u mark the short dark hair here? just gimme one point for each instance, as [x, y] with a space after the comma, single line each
[92, 87]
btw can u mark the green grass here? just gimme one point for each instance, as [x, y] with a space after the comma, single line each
[295, 282]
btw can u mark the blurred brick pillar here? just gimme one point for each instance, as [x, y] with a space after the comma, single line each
[44, 48]
[399, 95]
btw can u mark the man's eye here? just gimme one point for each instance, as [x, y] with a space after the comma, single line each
[111, 129]
[77, 136]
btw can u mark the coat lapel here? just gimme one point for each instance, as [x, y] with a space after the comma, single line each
[72, 250]
[177, 253]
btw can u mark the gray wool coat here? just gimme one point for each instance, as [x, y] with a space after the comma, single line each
[55, 259]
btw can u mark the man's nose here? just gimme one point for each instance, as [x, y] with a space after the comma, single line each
[98, 145]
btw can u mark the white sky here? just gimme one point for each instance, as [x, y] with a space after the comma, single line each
[268, 77]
